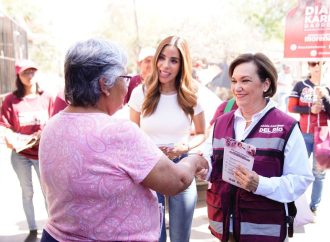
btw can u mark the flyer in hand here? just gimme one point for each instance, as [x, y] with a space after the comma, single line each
[236, 153]
[23, 142]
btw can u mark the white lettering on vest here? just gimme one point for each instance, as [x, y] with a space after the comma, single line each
[271, 129]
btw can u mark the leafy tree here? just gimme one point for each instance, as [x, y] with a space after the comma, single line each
[268, 16]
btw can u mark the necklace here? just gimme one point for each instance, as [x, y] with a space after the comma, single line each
[248, 121]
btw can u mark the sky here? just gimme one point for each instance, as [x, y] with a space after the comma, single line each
[76, 19]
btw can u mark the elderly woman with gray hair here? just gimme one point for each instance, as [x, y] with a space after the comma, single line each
[98, 172]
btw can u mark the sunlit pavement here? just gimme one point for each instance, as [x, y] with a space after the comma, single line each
[13, 226]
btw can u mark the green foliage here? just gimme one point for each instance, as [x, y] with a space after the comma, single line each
[41, 46]
[268, 16]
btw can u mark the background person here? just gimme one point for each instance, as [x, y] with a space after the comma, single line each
[284, 84]
[59, 103]
[309, 100]
[99, 179]
[25, 112]
[165, 108]
[145, 65]
[280, 173]
[222, 109]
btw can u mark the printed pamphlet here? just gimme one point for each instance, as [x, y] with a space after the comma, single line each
[236, 153]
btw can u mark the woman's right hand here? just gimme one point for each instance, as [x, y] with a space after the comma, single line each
[316, 108]
[170, 178]
[9, 138]
[201, 164]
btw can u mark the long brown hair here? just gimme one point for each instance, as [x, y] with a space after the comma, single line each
[184, 83]
[20, 90]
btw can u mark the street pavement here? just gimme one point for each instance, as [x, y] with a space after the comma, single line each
[13, 226]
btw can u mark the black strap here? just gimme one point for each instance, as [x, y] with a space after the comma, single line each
[292, 212]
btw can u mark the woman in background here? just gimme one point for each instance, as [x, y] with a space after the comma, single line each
[312, 103]
[24, 113]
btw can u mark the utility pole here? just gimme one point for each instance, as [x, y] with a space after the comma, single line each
[138, 47]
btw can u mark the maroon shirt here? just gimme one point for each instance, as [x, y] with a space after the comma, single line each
[135, 81]
[26, 116]
[59, 103]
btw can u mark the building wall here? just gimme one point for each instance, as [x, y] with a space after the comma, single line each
[13, 46]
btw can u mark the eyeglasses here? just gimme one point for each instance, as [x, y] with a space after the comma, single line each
[126, 79]
[313, 64]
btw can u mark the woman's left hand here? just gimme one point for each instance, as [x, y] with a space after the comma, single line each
[249, 180]
[176, 151]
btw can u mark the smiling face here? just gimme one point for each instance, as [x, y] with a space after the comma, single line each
[247, 87]
[168, 66]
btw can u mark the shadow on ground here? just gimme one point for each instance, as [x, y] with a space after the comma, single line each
[24, 237]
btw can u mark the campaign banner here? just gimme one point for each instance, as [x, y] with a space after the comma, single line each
[307, 31]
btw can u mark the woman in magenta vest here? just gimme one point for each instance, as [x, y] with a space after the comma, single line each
[255, 208]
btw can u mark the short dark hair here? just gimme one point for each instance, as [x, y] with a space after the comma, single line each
[265, 69]
[85, 63]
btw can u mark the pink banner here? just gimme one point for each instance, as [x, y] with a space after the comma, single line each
[307, 31]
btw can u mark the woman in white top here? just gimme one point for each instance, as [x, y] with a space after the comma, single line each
[165, 108]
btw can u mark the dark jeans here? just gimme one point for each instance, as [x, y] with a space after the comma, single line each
[319, 174]
[47, 237]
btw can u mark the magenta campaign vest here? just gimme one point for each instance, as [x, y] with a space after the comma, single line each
[255, 218]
